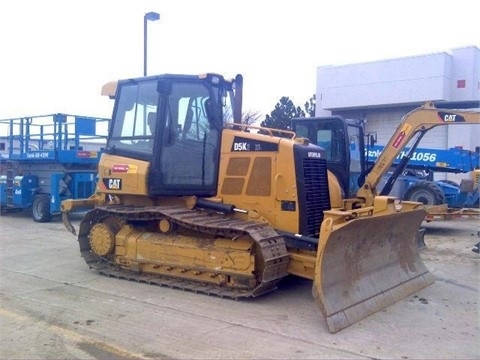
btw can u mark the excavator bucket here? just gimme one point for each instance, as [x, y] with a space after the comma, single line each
[366, 264]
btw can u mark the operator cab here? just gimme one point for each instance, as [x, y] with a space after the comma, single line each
[343, 142]
[174, 122]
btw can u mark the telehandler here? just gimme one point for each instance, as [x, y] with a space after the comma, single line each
[190, 199]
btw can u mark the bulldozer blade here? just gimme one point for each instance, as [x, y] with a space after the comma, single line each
[366, 264]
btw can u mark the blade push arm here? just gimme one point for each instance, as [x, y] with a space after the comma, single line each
[415, 122]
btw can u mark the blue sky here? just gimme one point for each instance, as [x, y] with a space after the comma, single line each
[56, 55]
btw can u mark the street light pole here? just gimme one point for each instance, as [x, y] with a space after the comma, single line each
[152, 16]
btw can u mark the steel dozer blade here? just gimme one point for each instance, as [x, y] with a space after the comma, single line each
[366, 264]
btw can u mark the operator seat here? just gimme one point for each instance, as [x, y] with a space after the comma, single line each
[152, 121]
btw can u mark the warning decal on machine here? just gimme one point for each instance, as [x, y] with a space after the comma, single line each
[124, 168]
[406, 129]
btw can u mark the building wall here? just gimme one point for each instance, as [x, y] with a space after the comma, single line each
[465, 82]
[412, 80]
[390, 82]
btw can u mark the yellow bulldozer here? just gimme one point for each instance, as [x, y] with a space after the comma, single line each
[188, 197]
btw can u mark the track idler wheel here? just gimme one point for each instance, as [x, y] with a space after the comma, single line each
[102, 239]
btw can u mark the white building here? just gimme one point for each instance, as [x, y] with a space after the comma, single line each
[383, 91]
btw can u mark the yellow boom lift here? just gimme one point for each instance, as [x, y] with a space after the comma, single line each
[189, 198]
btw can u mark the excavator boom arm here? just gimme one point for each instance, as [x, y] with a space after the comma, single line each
[419, 120]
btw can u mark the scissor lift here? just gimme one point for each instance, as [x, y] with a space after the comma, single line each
[48, 158]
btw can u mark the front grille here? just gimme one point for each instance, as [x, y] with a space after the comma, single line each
[313, 193]
[316, 193]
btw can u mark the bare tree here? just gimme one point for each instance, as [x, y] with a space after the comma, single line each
[250, 117]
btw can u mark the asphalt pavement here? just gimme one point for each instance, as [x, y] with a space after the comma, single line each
[52, 306]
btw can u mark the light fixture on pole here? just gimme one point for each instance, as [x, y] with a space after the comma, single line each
[152, 16]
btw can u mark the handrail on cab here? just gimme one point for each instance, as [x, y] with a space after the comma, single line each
[261, 130]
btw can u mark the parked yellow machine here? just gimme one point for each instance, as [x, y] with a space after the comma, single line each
[191, 199]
